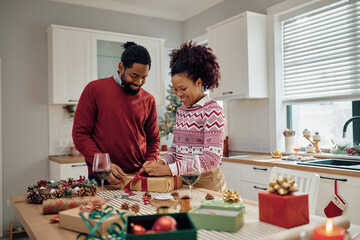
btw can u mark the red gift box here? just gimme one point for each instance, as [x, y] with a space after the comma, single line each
[284, 210]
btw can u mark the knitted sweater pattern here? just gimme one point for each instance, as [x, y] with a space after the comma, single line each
[198, 135]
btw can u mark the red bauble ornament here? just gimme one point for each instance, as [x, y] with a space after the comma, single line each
[165, 224]
[138, 229]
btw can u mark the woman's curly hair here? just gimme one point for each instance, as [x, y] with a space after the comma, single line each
[196, 62]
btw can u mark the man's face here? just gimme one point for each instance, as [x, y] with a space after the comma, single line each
[134, 77]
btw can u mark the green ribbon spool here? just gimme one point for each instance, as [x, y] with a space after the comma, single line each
[115, 229]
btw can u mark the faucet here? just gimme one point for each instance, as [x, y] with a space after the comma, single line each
[347, 123]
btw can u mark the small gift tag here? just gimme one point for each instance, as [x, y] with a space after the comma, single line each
[336, 206]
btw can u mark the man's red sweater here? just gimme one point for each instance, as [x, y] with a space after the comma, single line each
[107, 119]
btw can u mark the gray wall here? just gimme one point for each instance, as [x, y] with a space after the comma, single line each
[24, 79]
[196, 26]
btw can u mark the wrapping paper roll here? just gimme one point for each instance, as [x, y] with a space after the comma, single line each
[294, 233]
[50, 206]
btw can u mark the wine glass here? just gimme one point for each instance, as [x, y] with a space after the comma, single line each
[102, 167]
[194, 173]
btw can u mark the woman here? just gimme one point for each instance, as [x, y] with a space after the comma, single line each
[200, 122]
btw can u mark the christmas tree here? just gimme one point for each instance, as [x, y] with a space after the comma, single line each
[167, 123]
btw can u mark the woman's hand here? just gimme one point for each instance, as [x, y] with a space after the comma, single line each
[157, 169]
[116, 176]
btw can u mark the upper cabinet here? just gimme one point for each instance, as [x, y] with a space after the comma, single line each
[78, 56]
[240, 44]
[69, 64]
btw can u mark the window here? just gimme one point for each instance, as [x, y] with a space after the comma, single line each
[321, 52]
[327, 118]
[321, 70]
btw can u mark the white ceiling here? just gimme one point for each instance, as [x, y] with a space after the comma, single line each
[179, 10]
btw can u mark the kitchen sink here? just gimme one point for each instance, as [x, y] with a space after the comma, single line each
[240, 155]
[334, 163]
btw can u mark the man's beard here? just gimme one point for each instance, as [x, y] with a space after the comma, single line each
[127, 86]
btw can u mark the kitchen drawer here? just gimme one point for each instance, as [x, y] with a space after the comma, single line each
[249, 190]
[254, 173]
[69, 170]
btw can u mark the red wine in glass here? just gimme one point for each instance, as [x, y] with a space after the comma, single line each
[102, 174]
[102, 167]
[190, 179]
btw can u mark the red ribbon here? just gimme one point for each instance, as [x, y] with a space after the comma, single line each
[336, 192]
[144, 186]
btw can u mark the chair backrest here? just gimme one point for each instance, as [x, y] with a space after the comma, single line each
[308, 183]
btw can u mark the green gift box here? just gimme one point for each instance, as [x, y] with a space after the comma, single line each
[219, 215]
[185, 227]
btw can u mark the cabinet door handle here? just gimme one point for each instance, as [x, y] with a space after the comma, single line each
[224, 93]
[261, 188]
[73, 100]
[337, 179]
[79, 165]
[262, 169]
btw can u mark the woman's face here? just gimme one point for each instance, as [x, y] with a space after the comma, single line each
[188, 91]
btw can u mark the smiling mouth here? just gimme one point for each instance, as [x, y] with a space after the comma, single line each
[134, 86]
[183, 99]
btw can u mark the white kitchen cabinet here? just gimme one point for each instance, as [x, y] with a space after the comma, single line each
[155, 81]
[69, 63]
[246, 179]
[240, 44]
[349, 191]
[252, 180]
[62, 171]
[77, 56]
[231, 173]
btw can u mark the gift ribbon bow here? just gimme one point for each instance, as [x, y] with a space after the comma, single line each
[143, 176]
[102, 215]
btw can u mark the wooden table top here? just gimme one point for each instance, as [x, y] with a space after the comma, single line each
[38, 226]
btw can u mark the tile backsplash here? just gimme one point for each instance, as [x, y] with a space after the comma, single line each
[248, 125]
[60, 127]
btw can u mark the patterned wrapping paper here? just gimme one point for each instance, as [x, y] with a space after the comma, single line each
[50, 206]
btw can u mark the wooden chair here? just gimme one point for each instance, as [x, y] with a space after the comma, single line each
[308, 182]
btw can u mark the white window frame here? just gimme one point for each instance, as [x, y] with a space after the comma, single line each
[277, 108]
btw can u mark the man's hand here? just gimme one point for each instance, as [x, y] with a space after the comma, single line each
[116, 176]
[157, 169]
[144, 165]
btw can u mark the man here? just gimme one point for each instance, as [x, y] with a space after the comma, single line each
[115, 115]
